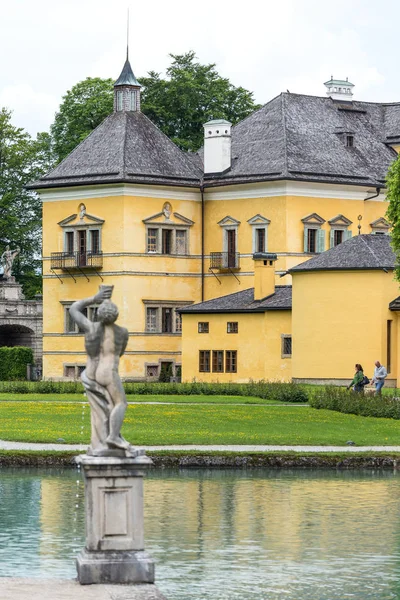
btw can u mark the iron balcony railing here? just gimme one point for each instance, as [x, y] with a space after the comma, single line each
[224, 260]
[76, 260]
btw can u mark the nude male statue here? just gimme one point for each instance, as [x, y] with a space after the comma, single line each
[105, 343]
[7, 259]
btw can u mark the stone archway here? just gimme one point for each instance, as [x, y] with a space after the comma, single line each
[16, 335]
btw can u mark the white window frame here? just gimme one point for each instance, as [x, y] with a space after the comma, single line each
[173, 228]
[259, 222]
[158, 306]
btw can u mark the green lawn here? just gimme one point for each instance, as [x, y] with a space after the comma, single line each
[211, 424]
[173, 399]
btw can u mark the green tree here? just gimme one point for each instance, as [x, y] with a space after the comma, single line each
[21, 161]
[191, 95]
[83, 108]
[179, 105]
[393, 211]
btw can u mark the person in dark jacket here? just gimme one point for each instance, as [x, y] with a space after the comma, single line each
[358, 380]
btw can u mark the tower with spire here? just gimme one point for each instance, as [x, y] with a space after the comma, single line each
[127, 90]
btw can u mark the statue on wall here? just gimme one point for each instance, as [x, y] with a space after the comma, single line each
[167, 210]
[105, 342]
[7, 260]
[82, 211]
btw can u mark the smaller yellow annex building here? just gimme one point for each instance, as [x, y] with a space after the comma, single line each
[341, 309]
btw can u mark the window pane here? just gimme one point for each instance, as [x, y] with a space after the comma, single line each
[69, 242]
[70, 326]
[152, 371]
[95, 241]
[166, 320]
[218, 361]
[232, 327]
[312, 240]
[152, 240]
[203, 327]
[151, 319]
[69, 371]
[132, 99]
[181, 237]
[166, 241]
[119, 100]
[204, 361]
[287, 346]
[231, 361]
[260, 240]
[337, 237]
[178, 322]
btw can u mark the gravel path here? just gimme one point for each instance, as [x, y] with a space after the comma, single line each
[234, 448]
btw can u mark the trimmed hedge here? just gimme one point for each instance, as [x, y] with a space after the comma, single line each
[283, 392]
[13, 362]
[344, 401]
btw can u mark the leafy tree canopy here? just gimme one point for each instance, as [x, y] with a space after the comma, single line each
[179, 105]
[22, 159]
[393, 212]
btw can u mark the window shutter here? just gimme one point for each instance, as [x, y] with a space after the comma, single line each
[332, 238]
[347, 234]
[305, 239]
[321, 240]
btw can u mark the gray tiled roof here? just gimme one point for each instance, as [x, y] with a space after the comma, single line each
[299, 137]
[366, 251]
[243, 302]
[293, 137]
[126, 147]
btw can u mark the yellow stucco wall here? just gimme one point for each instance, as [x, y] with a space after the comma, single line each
[138, 276]
[339, 318]
[258, 345]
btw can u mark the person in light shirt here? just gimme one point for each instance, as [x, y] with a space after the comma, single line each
[380, 374]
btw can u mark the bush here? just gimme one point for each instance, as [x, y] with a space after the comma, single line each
[13, 362]
[284, 392]
[342, 400]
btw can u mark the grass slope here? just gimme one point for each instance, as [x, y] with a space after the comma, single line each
[210, 424]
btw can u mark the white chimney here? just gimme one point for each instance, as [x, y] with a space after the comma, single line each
[217, 146]
[337, 89]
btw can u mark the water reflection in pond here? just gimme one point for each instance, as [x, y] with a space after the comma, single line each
[225, 535]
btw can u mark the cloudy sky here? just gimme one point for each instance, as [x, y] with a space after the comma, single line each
[267, 46]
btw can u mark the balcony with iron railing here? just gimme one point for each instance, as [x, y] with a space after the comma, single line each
[224, 261]
[69, 261]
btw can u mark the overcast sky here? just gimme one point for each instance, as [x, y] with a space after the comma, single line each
[267, 46]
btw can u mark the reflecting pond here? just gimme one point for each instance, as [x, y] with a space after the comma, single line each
[224, 534]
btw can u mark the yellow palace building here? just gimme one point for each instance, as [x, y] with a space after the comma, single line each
[171, 229]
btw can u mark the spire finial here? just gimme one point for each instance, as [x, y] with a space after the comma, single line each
[127, 35]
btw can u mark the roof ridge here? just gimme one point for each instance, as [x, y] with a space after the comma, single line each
[124, 152]
[283, 108]
[256, 111]
[370, 249]
[183, 153]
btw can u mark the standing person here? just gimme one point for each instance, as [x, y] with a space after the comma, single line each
[379, 377]
[358, 379]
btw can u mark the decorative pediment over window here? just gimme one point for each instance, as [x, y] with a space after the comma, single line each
[313, 219]
[77, 221]
[380, 224]
[258, 220]
[228, 222]
[340, 221]
[171, 220]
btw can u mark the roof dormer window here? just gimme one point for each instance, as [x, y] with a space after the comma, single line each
[349, 140]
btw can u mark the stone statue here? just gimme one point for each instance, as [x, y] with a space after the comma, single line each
[105, 342]
[82, 211]
[7, 259]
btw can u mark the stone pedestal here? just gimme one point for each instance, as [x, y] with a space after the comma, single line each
[114, 550]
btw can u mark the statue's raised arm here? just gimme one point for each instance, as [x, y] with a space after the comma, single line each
[77, 309]
[7, 259]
